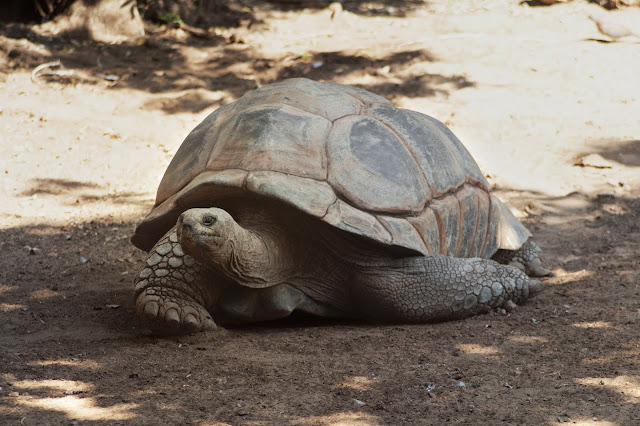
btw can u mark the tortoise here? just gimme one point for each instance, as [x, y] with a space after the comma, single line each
[326, 199]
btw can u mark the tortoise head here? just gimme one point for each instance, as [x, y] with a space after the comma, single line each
[208, 235]
[214, 238]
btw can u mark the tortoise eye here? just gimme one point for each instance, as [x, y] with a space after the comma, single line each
[208, 220]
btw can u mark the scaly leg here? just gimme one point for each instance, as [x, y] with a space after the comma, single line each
[438, 288]
[171, 291]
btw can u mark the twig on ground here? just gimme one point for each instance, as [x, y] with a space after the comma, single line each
[38, 71]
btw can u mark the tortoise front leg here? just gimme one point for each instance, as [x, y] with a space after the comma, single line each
[438, 288]
[172, 290]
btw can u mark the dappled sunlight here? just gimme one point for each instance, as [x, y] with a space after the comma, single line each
[476, 349]
[348, 418]
[43, 293]
[86, 364]
[528, 339]
[562, 276]
[81, 161]
[80, 408]
[618, 356]
[594, 324]
[583, 421]
[8, 307]
[74, 407]
[357, 382]
[63, 385]
[7, 288]
[627, 386]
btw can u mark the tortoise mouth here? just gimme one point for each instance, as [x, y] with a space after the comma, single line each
[187, 235]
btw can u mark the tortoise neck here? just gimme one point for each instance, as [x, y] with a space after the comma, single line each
[258, 259]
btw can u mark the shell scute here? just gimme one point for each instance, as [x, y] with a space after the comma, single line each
[371, 168]
[275, 138]
[327, 100]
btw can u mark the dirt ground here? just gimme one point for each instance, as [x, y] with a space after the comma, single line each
[548, 107]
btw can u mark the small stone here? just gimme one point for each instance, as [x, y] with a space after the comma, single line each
[173, 238]
[359, 403]
[32, 250]
[189, 261]
[461, 384]
[177, 250]
[594, 160]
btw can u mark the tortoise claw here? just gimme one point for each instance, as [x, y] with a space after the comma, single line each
[172, 315]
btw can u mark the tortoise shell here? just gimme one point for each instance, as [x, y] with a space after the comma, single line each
[345, 156]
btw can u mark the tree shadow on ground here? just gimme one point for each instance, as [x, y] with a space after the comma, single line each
[626, 152]
[74, 350]
[395, 8]
[72, 193]
[163, 65]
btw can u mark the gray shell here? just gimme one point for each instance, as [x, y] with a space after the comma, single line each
[345, 156]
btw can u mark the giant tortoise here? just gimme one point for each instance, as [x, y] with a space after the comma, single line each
[326, 199]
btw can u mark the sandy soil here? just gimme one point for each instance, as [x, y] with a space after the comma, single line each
[546, 105]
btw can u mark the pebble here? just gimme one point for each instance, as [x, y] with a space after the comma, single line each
[359, 403]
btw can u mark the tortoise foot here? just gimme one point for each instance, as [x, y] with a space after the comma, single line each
[171, 291]
[527, 258]
[167, 313]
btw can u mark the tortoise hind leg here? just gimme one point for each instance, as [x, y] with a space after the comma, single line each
[437, 288]
[171, 291]
[527, 258]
